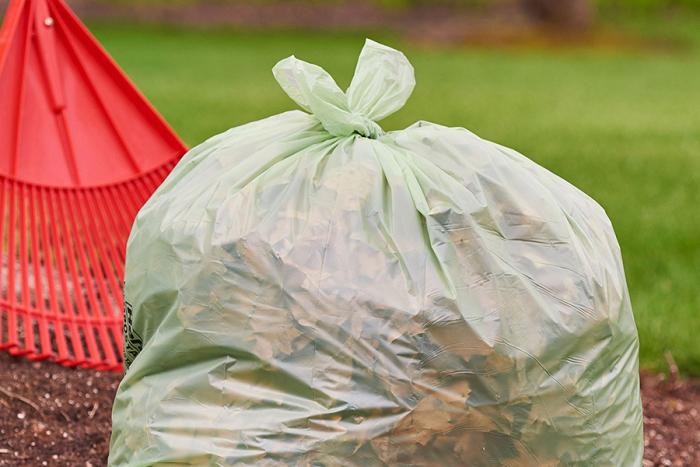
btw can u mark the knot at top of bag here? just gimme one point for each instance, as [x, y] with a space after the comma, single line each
[382, 84]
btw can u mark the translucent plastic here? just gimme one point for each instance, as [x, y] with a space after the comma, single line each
[309, 290]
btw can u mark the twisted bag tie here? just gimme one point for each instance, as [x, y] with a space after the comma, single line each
[382, 84]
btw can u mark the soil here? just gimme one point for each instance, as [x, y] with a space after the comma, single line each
[56, 416]
[671, 421]
[52, 415]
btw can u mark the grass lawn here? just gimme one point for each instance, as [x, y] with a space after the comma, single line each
[623, 125]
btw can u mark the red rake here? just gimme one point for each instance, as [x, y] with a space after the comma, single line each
[80, 151]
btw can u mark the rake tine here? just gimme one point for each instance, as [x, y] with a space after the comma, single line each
[84, 318]
[29, 347]
[95, 272]
[50, 265]
[78, 357]
[12, 340]
[44, 336]
[2, 244]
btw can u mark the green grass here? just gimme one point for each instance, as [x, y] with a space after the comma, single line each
[624, 126]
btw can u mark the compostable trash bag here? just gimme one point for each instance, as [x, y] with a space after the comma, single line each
[310, 290]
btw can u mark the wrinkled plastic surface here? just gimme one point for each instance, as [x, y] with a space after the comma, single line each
[309, 290]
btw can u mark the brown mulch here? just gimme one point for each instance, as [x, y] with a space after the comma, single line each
[50, 415]
[671, 420]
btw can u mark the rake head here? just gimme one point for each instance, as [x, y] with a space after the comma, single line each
[81, 150]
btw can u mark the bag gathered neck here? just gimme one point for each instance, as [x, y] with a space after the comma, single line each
[383, 82]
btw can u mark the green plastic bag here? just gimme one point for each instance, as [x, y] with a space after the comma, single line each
[310, 290]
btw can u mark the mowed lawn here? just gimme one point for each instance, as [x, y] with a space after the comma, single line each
[623, 125]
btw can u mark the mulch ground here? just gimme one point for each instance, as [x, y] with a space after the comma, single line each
[55, 416]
